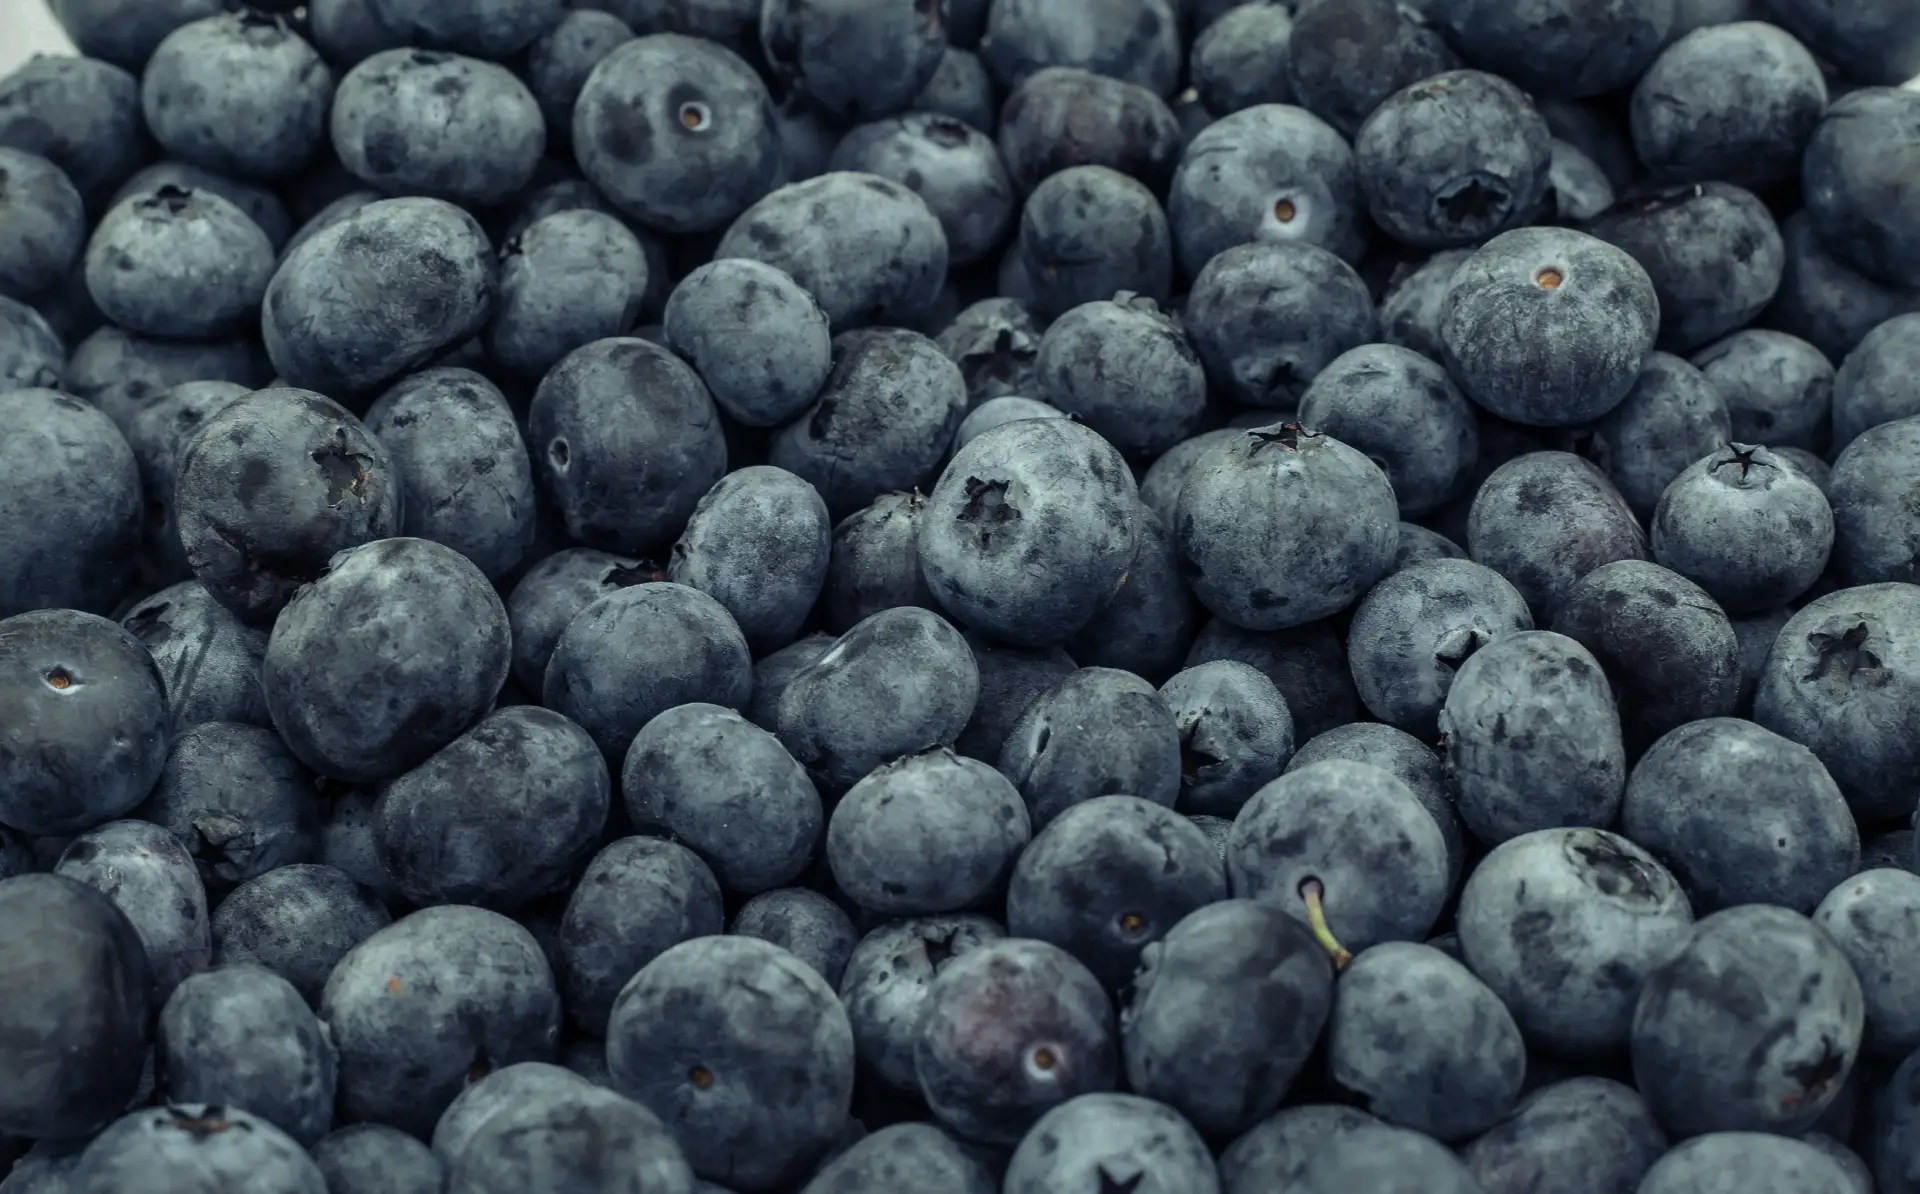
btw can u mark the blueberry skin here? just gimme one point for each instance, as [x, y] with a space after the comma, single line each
[347, 32]
[882, 421]
[47, 222]
[489, 1095]
[996, 411]
[1873, 917]
[936, 1161]
[31, 352]
[779, 1065]
[1403, 756]
[258, 200]
[961, 89]
[239, 93]
[1126, 370]
[298, 921]
[897, 683]
[1873, 531]
[874, 562]
[1414, 630]
[1273, 1154]
[892, 824]
[758, 340]
[1088, 232]
[1418, 545]
[580, 1137]
[1872, 387]
[239, 802]
[857, 63]
[1750, 529]
[1712, 251]
[1049, 494]
[1403, 411]
[722, 786]
[377, 295]
[1753, 1026]
[1344, 60]
[81, 114]
[123, 33]
[1544, 520]
[1236, 734]
[1453, 1071]
[1308, 664]
[1160, 485]
[1137, 41]
[1414, 305]
[1225, 1013]
[1826, 303]
[120, 373]
[772, 673]
[885, 985]
[69, 505]
[1240, 59]
[1148, 626]
[1891, 1142]
[1091, 1136]
[1099, 732]
[1114, 123]
[181, 1146]
[1011, 679]
[245, 1034]
[1282, 526]
[640, 651]
[374, 1159]
[76, 1013]
[561, 59]
[148, 875]
[1690, 126]
[866, 248]
[638, 897]
[83, 722]
[314, 672]
[1577, 188]
[569, 279]
[390, 1001]
[1779, 389]
[1727, 1162]
[1011, 1029]
[553, 591]
[1582, 1133]
[1669, 652]
[1874, 42]
[1268, 317]
[1549, 327]
[758, 543]
[159, 433]
[1452, 160]
[994, 342]
[951, 165]
[346, 843]
[485, 28]
[1561, 47]
[1837, 681]
[804, 923]
[1855, 161]
[1564, 925]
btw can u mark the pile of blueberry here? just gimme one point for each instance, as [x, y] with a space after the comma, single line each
[961, 597]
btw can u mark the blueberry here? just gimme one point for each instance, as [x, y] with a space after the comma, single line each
[1549, 327]
[1284, 525]
[1544, 520]
[885, 984]
[1753, 1162]
[1137, 41]
[721, 152]
[260, 202]
[1892, 849]
[758, 543]
[1418, 544]
[244, 1034]
[1236, 734]
[1098, 1136]
[858, 63]
[240, 93]
[1778, 388]
[936, 1161]
[1268, 317]
[1114, 123]
[1011, 1029]
[346, 844]
[1873, 917]
[1100, 732]
[431, 1002]
[1875, 42]
[1241, 59]
[1753, 1026]
[1826, 303]
[1414, 630]
[577, 1138]
[121, 373]
[492, 1093]
[1890, 1139]
[81, 114]
[1752, 531]
[1873, 531]
[640, 651]
[1584, 1133]
[933, 805]
[148, 875]
[728, 790]
[1561, 47]
[183, 1145]
[758, 340]
[487, 28]
[772, 673]
[1404, 412]
[954, 167]
[874, 562]
[1452, 160]
[237, 800]
[1011, 679]
[158, 433]
[1148, 626]
[563, 57]
[1691, 124]
[804, 923]
[1161, 484]
[1273, 1154]
[1873, 384]
[1669, 652]
[76, 1013]
[567, 280]
[47, 221]
[125, 34]
[31, 352]
[1416, 302]
[428, 261]
[1308, 664]
[1863, 147]
[69, 504]
[1008, 409]
[1126, 370]
[552, 592]
[638, 897]
[374, 1159]
[867, 249]
[1225, 1012]
[1088, 232]
[1577, 188]
[1453, 1071]
[1405, 757]
[755, 1084]
[298, 921]
[1564, 925]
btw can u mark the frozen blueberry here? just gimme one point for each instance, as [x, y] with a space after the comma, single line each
[427, 122]
[1736, 1162]
[47, 223]
[758, 543]
[1452, 160]
[640, 651]
[772, 673]
[961, 89]
[1690, 124]
[377, 295]
[1308, 664]
[874, 562]
[485, 28]
[1344, 60]
[1096, 1136]
[897, 683]
[1088, 232]
[120, 372]
[1875, 381]
[148, 875]
[932, 832]
[803, 922]
[858, 63]
[562, 58]
[1583, 1133]
[1826, 303]
[1134, 40]
[954, 167]
[1267, 317]
[1414, 305]
[375, 1159]
[431, 1003]
[1549, 327]
[1752, 531]
[1753, 1026]
[1407, 758]
[1273, 1154]
[1241, 59]
[867, 249]
[244, 1035]
[1852, 175]
[298, 921]
[727, 789]
[637, 898]
[1414, 630]
[158, 1150]
[885, 983]
[81, 114]
[240, 93]
[917, 1153]
[1114, 123]
[1284, 525]
[568, 279]
[237, 800]
[1236, 734]
[758, 340]
[578, 1137]
[31, 352]
[122, 33]
[1126, 370]
[1778, 388]
[1875, 42]
[1561, 47]
[1100, 732]
[489, 1094]
[1011, 1029]
[1544, 520]
[1874, 917]
[755, 1084]
[69, 505]
[1404, 412]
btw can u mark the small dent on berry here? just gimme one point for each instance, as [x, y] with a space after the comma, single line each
[1815, 1077]
[1284, 210]
[59, 679]
[1550, 277]
[988, 506]
[701, 1077]
[695, 117]
[1132, 923]
[344, 470]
